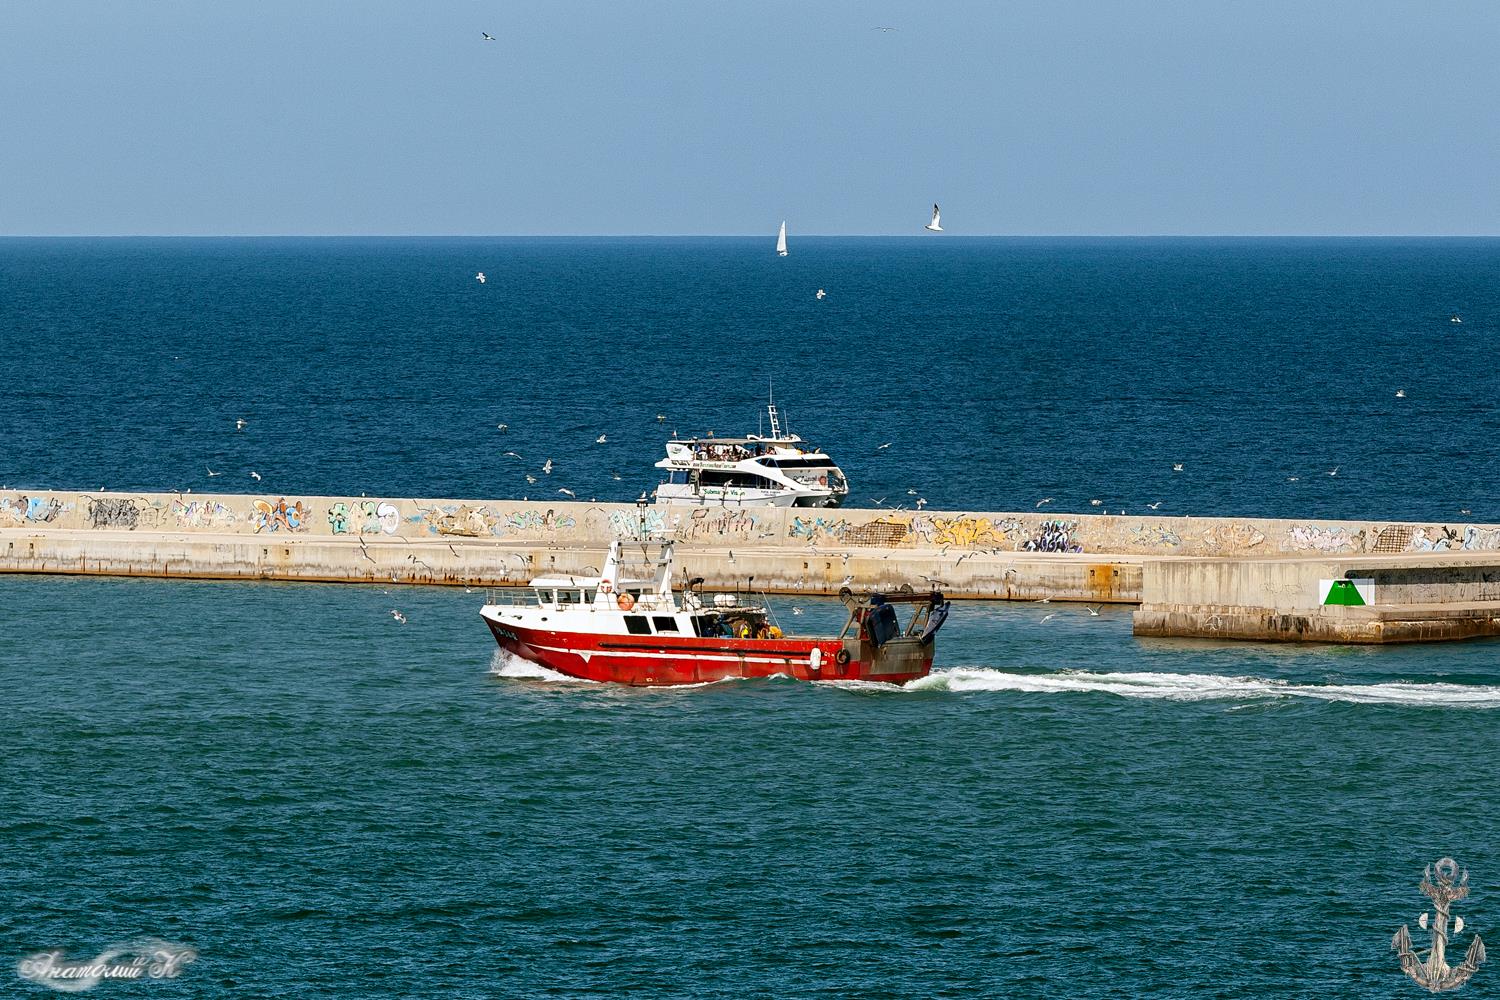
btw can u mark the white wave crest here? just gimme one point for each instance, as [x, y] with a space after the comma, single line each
[1207, 687]
[512, 667]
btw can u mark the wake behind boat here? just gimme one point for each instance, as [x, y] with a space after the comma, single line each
[627, 626]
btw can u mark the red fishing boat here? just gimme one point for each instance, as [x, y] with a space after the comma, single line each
[627, 626]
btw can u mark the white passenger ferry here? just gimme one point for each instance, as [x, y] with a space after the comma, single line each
[780, 470]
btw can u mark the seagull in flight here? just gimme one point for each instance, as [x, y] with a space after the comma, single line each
[1335, 470]
[1093, 613]
[511, 454]
[211, 472]
[661, 418]
[936, 224]
[547, 467]
[480, 277]
[1048, 618]
[1400, 393]
[568, 492]
[400, 618]
[1177, 467]
[502, 428]
[1293, 479]
[239, 424]
[881, 27]
[883, 447]
[1153, 506]
[601, 439]
[255, 475]
[530, 479]
[1096, 503]
[615, 476]
[1044, 500]
[796, 611]
[487, 36]
[821, 293]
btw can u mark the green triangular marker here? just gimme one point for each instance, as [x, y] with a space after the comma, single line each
[1344, 592]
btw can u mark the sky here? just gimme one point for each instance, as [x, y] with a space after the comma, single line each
[206, 117]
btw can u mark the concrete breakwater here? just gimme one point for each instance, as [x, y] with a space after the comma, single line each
[490, 542]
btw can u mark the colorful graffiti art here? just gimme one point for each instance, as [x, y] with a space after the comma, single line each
[625, 524]
[1155, 536]
[461, 520]
[532, 520]
[338, 518]
[202, 514]
[1054, 535]
[280, 516]
[378, 517]
[36, 510]
[817, 529]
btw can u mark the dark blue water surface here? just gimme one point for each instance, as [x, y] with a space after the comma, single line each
[323, 801]
[1001, 371]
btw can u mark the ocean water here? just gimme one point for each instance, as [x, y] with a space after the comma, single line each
[321, 800]
[1000, 371]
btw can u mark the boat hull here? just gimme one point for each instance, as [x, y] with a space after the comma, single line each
[651, 661]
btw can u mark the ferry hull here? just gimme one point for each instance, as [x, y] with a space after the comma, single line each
[657, 660]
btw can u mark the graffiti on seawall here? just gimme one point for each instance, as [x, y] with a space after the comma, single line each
[22, 509]
[965, 531]
[462, 520]
[1053, 535]
[1312, 537]
[630, 524]
[709, 523]
[1445, 539]
[817, 529]
[1154, 536]
[203, 514]
[1227, 539]
[278, 515]
[113, 512]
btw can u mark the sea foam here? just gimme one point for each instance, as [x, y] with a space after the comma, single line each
[1207, 687]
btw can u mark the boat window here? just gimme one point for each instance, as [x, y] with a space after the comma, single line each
[588, 597]
[677, 478]
[804, 463]
[663, 623]
[636, 625]
[740, 479]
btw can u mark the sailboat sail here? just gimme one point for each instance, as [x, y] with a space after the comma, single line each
[781, 241]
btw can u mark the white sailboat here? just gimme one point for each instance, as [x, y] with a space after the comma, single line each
[781, 240]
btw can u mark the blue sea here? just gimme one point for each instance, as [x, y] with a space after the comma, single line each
[319, 800]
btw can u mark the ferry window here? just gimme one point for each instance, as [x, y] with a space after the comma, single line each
[636, 625]
[663, 623]
[588, 597]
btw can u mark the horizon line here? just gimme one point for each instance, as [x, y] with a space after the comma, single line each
[755, 235]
